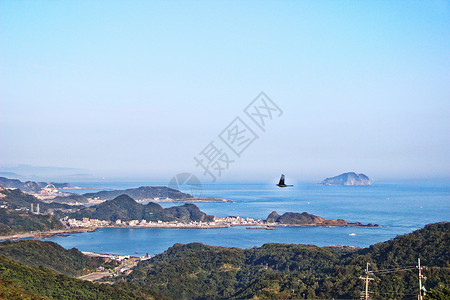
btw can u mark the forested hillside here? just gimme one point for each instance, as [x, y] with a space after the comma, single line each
[276, 271]
[52, 256]
[13, 221]
[18, 281]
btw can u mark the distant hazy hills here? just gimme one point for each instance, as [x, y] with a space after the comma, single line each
[140, 193]
[29, 186]
[350, 178]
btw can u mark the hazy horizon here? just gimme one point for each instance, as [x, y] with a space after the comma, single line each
[137, 90]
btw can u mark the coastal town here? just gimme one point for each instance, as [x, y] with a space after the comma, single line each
[216, 223]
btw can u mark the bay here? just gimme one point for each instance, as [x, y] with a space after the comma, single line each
[398, 208]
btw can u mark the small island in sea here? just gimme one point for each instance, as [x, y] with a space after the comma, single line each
[348, 179]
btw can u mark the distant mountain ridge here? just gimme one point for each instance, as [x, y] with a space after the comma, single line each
[29, 186]
[348, 179]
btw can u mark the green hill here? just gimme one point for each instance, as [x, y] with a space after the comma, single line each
[280, 271]
[19, 281]
[52, 256]
[125, 208]
[16, 199]
[13, 221]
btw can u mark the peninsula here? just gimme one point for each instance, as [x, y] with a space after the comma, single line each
[306, 219]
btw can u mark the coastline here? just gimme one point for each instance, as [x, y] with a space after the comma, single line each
[186, 200]
[43, 234]
[68, 231]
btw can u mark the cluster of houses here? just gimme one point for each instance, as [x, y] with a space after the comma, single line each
[86, 222]
[238, 221]
[217, 222]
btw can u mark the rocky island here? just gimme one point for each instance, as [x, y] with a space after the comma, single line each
[348, 179]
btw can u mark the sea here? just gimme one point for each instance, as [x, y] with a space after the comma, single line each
[398, 208]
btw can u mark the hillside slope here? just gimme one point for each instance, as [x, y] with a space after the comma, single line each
[13, 221]
[279, 271]
[50, 255]
[24, 281]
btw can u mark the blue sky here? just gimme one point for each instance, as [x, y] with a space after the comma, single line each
[138, 88]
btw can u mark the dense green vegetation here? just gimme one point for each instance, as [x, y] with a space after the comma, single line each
[125, 208]
[13, 221]
[278, 271]
[10, 291]
[52, 256]
[141, 193]
[18, 279]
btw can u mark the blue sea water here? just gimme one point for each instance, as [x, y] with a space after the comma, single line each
[397, 208]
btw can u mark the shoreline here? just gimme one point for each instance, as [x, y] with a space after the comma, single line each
[68, 231]
[44, 234]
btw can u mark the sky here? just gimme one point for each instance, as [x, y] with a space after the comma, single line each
[137, 89]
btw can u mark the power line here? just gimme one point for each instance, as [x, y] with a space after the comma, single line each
[408, 268]
[365, 294]
[367, 279]
[421, 288]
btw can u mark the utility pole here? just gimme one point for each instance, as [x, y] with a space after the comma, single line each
[365, 294]
[421, 288]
